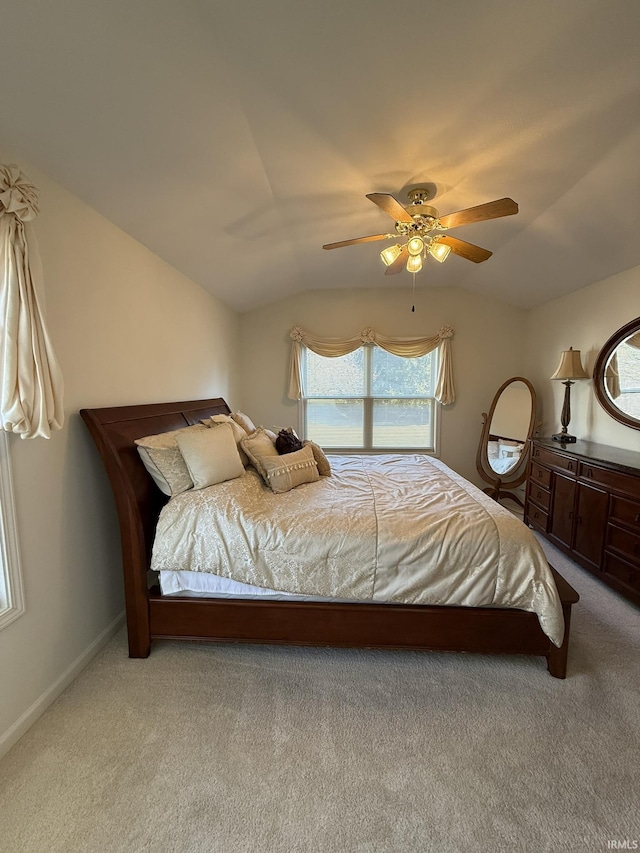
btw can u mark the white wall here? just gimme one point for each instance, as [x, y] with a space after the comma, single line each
[584, 320]
[487, 349]
[126, 328]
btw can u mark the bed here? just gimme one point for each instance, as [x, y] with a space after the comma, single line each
[273, 619]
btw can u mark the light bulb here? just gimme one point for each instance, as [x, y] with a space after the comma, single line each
[415, 246]
[414, 263]
[389, 254]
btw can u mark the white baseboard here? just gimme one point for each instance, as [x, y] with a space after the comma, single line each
[13, 734]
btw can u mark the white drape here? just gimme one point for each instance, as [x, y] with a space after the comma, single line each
[31, 382]
[406, 347]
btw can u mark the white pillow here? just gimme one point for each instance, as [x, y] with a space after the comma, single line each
[161, 457]
[259, 445]
[211, 456]
[324, 466]
[244, 421]
[238, 432]
[284, 473]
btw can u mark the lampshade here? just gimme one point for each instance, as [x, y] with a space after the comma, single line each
[570, 366]
[389, 254]
[415, 246]
[414, 263]
[439, 251]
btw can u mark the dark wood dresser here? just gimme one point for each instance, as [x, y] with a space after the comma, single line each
[585, 498]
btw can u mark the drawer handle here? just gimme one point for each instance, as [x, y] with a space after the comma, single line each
[570, 466]
[637, 518]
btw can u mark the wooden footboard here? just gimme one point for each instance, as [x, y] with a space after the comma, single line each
[388, 626]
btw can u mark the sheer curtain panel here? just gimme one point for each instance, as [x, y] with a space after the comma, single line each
[31, 382]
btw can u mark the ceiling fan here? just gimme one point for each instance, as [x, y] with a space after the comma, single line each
[416, 223]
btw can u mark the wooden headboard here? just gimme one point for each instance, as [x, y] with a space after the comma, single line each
[138, 499]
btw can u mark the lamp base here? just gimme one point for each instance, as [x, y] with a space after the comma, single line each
[564, 438]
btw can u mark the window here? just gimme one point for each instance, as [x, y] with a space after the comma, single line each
[370, 400]
[11, 598]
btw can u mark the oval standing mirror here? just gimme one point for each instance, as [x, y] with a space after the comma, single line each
[504, 444]
[616, 375]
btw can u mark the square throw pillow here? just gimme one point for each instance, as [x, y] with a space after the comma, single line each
[161, 457]
[284, 473]
[211, 456]
[244, 421]
[324, 467]
[259, 445]
[238, 432]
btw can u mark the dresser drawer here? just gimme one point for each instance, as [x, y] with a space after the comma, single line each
[625, 543]
[537, 518]
[540, 475]
[617, 480]
[625, 512]
[539, 495]
[555, 460]
[622, 571]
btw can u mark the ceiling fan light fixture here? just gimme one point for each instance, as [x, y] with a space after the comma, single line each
[389, 254]
[439, 251]
[415, 246]
[414, 263]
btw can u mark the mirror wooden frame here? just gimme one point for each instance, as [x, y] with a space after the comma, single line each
[499, 483]
[599, 374]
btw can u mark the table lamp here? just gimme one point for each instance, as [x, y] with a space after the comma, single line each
[569, 369]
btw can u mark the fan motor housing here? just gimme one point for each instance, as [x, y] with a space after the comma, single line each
[417, 206]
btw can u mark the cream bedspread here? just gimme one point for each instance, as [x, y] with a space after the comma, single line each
[393, 527]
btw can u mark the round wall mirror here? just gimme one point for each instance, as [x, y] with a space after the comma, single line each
[504, 444]
[616, 375]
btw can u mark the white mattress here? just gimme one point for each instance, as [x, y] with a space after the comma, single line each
[207, 585]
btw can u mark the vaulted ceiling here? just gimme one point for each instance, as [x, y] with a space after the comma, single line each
[235, 138]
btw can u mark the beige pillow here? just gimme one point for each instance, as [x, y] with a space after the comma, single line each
[238, 432]
[324, 467]
[258, 446]
[211, 456]
[161, 457]
[244, 421]
[284, 473]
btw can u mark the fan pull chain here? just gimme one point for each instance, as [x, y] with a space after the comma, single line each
[413, 307]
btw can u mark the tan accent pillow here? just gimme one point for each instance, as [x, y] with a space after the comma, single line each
[161, 457]
[324, 467]
[238, 432]
[244, 421]
[258, 446]
[211, 456]
[284, 473]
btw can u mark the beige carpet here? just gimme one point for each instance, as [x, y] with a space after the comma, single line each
[257, 749]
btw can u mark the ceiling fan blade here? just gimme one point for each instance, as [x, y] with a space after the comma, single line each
[399, 264]
[391, 206]
[490, 210]
[464, 249]
[358, 240]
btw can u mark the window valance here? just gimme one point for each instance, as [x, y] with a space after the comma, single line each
[405, 347]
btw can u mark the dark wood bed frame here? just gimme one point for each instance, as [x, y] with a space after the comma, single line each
[388, 626]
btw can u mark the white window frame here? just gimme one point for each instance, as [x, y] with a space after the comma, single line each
[368, 407]
[11, 590]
